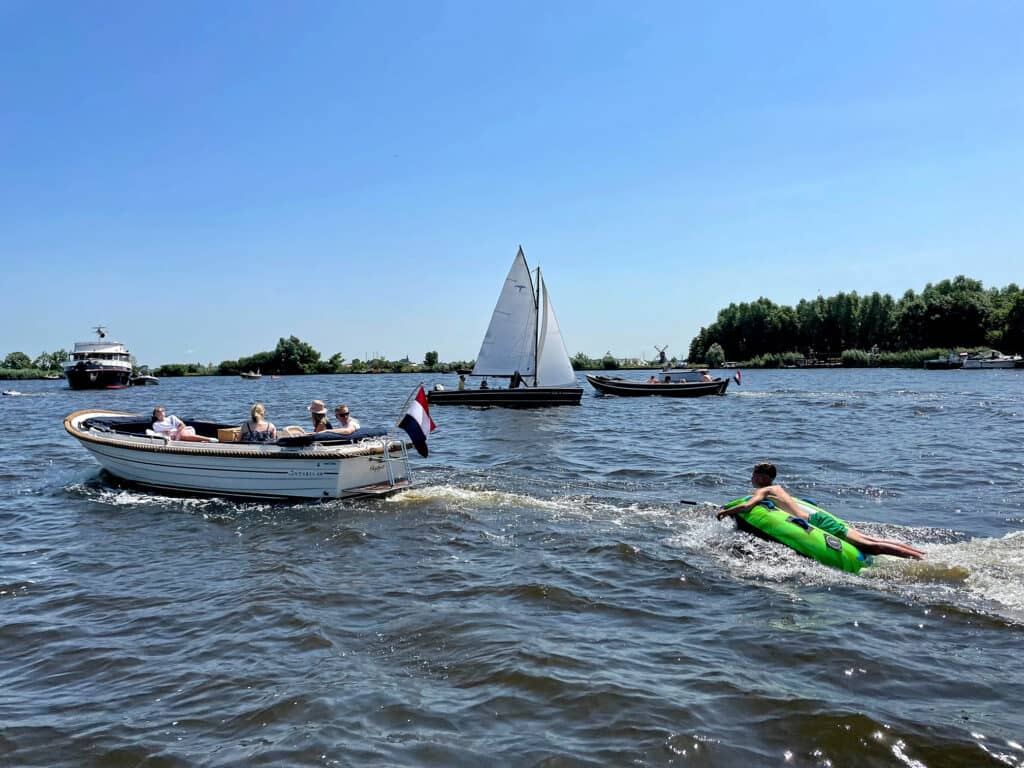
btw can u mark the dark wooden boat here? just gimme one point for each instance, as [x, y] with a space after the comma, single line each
[523, 397]
[614, 385]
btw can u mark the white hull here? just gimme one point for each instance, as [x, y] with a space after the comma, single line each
[246, 470]
[998, 362]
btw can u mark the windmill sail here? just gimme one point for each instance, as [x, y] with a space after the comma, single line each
[510, 343]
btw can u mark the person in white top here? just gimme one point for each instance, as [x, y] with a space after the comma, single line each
[346, 424]
[175, 428]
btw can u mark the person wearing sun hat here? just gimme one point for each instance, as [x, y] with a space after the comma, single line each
[318, 411]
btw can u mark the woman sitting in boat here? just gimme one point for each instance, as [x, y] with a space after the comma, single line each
[318, 411]
[257, 429]
[763, 478]
[175, 428]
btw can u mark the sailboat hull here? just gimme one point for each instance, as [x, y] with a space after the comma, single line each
[523, 397]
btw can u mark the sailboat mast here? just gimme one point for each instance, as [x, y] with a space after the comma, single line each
[536, 346]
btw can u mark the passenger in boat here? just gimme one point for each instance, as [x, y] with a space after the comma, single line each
[763, 479]
[175, 428]
[516, 380]
[346, 424]
[462, 381]
[653, 380]
[484, 384]
[257, 429]
[704, 375]
[318, 411]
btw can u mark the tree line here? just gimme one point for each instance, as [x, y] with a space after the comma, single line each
[958, 313]
[292, 356]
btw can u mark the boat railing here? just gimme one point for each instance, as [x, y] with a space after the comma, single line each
[388, 459]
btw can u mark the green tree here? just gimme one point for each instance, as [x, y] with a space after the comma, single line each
[609, 363]
[44, 362]
[17, 360]
[715, 356]
[293, 355]
[430, 359]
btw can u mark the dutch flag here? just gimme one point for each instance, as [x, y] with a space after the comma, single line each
[417, 421]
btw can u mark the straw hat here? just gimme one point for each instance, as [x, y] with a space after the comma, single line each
[317, 406]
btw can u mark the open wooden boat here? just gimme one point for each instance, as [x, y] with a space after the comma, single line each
[677, 387]
[322, 466]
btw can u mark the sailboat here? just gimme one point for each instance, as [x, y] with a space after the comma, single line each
[523, 344]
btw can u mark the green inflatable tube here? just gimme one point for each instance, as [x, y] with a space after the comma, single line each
[769, 522]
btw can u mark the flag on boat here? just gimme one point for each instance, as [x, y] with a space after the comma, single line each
[417, 422]
[737, 377]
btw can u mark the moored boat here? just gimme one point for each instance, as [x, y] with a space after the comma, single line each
[251, 375]
[950, 362]
[144, 380]
[98, 364]
[523, 344]
[992, 360]
[321, 466]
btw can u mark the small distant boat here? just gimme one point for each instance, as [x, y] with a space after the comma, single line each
[993, 359]
[674, 383]
[251, 374]
[98, 364]
[143, 381]
[11, 393]
[53, 377]
[524, 344]
[949, 362]
[275, 378]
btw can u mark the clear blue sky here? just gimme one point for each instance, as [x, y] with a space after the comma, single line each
[204, 178]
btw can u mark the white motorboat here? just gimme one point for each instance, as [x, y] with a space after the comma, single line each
[98, 364]
[366, 463]
[992, 359]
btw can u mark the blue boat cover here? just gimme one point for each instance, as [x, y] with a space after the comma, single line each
[332, 437]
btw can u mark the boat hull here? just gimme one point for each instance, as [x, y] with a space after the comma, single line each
[994, 364]
[522, 397]
[97, 377]
[607, 385]
[244, 470]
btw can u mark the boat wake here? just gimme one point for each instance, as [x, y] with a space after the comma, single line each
[981, 575]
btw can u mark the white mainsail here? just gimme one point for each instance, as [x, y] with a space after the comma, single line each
[553, 366]
[510, 343]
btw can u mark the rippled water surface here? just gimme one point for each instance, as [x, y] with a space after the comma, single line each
[540, 597]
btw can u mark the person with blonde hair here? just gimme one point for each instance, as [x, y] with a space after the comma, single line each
[347, 424]
[257, 429]
[318, 411]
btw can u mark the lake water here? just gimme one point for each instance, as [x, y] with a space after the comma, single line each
[540, 598]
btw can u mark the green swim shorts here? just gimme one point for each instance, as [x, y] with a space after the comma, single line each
[828, 523]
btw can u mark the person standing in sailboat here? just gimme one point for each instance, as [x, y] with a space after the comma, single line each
[516, 380]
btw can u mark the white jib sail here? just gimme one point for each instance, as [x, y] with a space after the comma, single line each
[510, 343]
[553, 366]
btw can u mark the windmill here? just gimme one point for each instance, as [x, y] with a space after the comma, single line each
[662, 360]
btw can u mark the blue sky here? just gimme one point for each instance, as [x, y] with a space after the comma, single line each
[204, 178]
